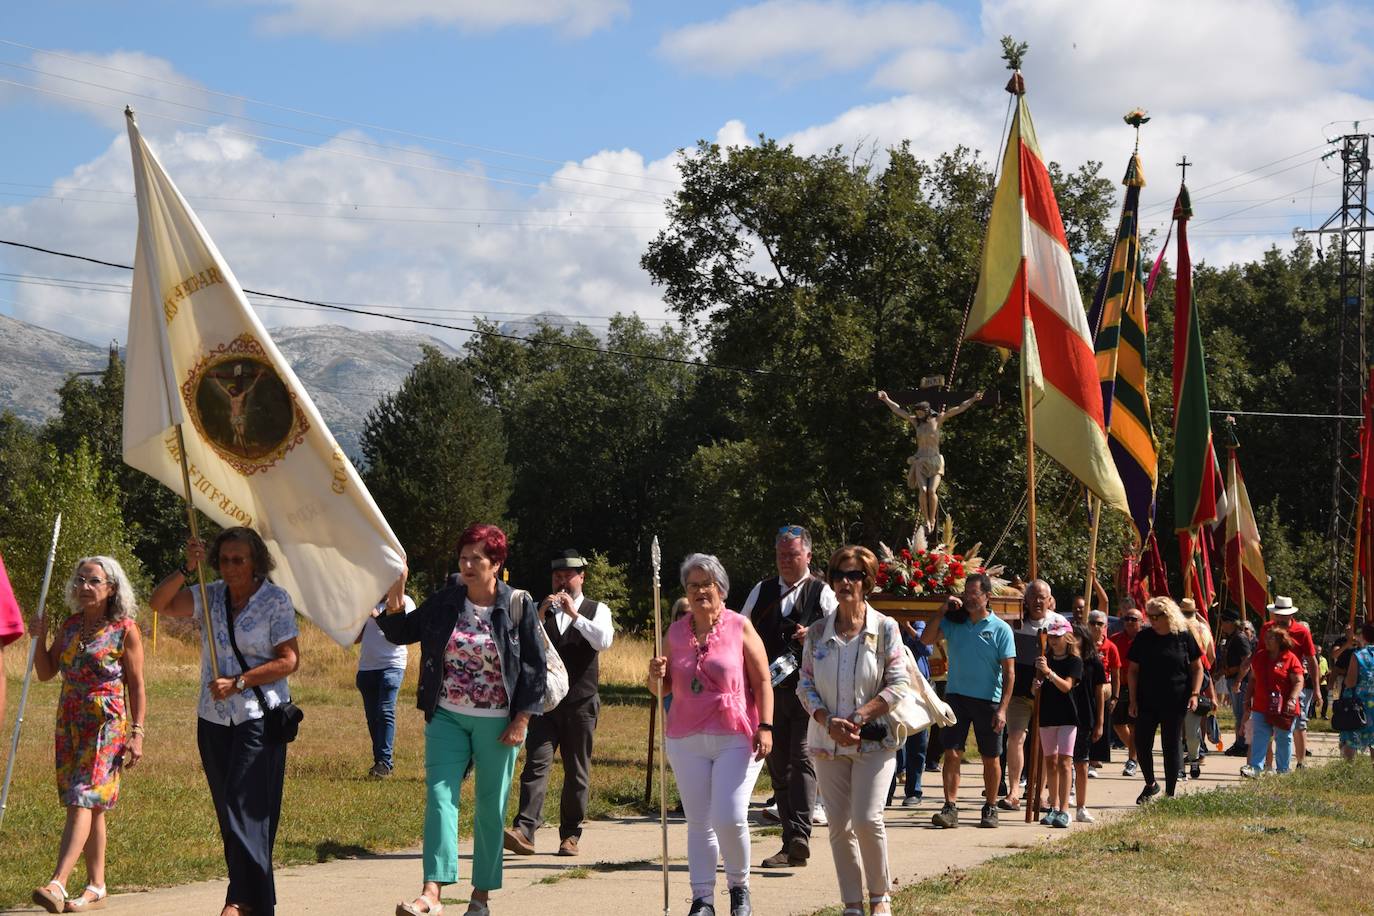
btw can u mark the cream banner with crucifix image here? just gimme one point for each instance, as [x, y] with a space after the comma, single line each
[258, 453]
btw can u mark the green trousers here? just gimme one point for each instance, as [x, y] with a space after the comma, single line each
[453, 742]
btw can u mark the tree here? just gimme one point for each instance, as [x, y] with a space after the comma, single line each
[436, 463]
[823, 278]
[93, 412]
[596, 453]
[75, 485]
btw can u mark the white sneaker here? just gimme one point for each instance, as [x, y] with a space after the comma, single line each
[911, 801]
[770, 813]
[818, 816]
[1092, 774]
[1084, 816]
[1249, 772]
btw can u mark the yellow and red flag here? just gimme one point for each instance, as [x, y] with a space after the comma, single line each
[1028, 300]
[1245, 576]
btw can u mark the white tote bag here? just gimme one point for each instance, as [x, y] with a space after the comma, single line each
[556, 673]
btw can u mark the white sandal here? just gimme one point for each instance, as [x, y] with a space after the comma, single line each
[49, 901]
[431, 909]
[81, 904]
[876, 901]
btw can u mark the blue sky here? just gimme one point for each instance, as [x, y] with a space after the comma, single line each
[593, 97]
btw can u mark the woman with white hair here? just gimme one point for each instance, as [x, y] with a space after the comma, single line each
[718, 730]
[98, 651]
[1165, 677]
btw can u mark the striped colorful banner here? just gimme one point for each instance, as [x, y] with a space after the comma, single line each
[1027, 282]
[1118, 319]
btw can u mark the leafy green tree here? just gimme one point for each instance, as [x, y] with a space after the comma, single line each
[436, 463]
[609, 583]
[592, 439]
[75, 485]
[92, 411]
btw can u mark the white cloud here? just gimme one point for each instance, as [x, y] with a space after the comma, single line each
[806, 38]
[100, 85]
[350, 17]
[441, 243]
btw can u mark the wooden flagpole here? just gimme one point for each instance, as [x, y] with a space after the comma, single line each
[200, 567]
[1032, 560]
[1035, 779]
[657, 558]
[1095, 510]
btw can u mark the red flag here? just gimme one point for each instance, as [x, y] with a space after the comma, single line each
[1145, 577]
[1196, 565]
[11, 619]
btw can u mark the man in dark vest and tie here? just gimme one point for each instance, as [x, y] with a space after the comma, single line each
[781, 608]
[580, 629]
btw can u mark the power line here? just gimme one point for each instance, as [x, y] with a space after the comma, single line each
[567, 345]
[323, 117]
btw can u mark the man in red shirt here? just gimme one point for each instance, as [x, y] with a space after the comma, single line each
[1122, 721]
[1282, 614]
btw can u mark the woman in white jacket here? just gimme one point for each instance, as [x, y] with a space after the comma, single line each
[853, 671]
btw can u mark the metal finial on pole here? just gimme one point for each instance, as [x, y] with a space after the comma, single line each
[28, 672]
[1183, 164]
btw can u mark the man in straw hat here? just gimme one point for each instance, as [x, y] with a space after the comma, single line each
[1283, 614]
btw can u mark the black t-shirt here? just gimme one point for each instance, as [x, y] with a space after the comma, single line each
[1056, 706]
[1086, 690]
[1234, 653]
[1164, 661]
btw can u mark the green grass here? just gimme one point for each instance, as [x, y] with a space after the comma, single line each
[163, 832]
[1294, 843]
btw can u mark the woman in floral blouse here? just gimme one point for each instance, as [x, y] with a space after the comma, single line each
[853, 671]
[98, 652]
[482, 674]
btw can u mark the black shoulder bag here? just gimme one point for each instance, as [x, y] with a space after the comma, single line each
[281, 722]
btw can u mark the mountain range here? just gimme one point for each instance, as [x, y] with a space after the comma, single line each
[345, 370]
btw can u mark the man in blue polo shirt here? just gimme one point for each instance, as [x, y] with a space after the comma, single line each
[982, 657]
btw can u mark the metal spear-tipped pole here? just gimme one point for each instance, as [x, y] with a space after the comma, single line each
[657, 558]
[28, 672]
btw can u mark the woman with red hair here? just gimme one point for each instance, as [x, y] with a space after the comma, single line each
[482, 671]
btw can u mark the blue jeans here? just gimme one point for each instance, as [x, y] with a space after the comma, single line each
[1259, 744]
[379, 689]
[911, 760]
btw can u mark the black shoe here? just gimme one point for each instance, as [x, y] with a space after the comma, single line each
[1147, 793]
[1195, 771]
[989, 817]
[1239, 749]
[947, 817]
[739, 902]
[702, 906]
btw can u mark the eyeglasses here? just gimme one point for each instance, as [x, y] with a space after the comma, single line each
[700, 586]
[792, 531]
[849, 575]
[1097, 623]
[94, 581]
[1154, 616]
[1130, 620]
[234, 560]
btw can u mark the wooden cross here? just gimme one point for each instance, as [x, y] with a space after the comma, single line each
[933, 392]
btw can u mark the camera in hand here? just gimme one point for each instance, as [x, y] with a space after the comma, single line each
[955, 612]
[872, 731]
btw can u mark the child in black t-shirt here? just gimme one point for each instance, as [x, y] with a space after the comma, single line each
[1058, 672]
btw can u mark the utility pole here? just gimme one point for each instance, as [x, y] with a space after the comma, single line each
[1349, 224]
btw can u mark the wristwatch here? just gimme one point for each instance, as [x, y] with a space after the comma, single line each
[240, 684]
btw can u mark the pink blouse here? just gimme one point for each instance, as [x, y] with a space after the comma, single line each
[711, 693]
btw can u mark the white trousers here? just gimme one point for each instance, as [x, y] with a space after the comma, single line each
[854, 788]
[715, 776]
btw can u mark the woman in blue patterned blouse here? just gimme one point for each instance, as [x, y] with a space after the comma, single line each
[245, 768]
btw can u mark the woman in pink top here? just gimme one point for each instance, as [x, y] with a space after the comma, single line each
[719, 729]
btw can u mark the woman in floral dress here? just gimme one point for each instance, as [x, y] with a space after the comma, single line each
[98, 652]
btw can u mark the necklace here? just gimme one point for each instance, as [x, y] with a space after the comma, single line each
[702, 645]
[88, 633]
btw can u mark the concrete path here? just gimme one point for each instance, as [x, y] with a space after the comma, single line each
[619, 871]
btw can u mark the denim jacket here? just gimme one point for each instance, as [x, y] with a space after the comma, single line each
[520, 648]
[881, 671]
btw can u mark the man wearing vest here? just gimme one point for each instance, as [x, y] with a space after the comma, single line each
[580, 629]
[781, 609]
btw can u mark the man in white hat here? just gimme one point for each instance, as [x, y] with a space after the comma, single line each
[1282, 614]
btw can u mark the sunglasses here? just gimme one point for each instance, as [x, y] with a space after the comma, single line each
[1154, 616]
[849, 575]
[1097, 623]
[1131, 619]
[792, 531]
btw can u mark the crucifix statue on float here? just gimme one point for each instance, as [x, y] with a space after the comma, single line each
[926, 468]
